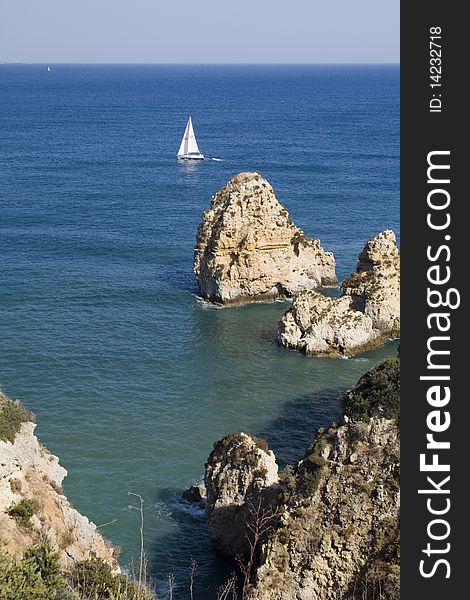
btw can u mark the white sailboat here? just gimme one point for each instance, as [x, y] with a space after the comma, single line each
[188, 147]
[49, 69]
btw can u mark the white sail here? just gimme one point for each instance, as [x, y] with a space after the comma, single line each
[184, 142]
[188, 147]
[192, 144]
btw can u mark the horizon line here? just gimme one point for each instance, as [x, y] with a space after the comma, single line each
[199, 63]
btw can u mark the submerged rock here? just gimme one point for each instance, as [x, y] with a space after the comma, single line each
[196, 494]
[33, 506]
[248, 249]
[366, 314]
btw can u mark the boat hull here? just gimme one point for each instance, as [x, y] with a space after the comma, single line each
[187, 157]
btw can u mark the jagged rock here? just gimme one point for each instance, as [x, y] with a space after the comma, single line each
[342, 521]
[196, 494]
[375, 286]
[248, 249]
[337, 530]
[239, 471]
[366, 314]
[29, 472]
[322, 326]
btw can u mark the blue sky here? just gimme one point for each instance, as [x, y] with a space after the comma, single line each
[162, 31]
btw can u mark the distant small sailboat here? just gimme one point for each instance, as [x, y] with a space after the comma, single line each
[188, 147]
[49, 69]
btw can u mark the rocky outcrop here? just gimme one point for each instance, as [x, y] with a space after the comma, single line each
[33, 506]
[339, 533]
[239, 472]
[195, 494]
[375, 286]
[318, 325]
[337, 530]
[248, 249]
[367, 313]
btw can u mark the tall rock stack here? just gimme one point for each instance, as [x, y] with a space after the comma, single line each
[248, 249]
[375, 286]
[240, 472]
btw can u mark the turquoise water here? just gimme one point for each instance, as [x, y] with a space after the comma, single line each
[102, 335]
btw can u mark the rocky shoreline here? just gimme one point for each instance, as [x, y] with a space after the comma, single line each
[324, 528]
[328, 526]
[32, 503]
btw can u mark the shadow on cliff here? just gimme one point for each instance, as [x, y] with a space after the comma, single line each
[290, 433]
[187, 541]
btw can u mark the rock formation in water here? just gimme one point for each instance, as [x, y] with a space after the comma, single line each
[366, 314]
[318, 325]
[337, 529]
[196, 494]
[248, 249]
[239, 469]
[375, 286]
[33, 506]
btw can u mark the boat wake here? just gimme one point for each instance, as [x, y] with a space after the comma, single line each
[217, 159]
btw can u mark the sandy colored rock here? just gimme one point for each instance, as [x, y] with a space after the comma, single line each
[29, 472]
[238, 472]
[367, 313]
[339, 533]
[248, 249]
[336, 533]
[375, 286]
[322, 326]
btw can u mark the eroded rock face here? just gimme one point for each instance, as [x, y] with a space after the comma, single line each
[336, 533]
[375, 286]
[366, 314]
[248, 249]
[29, 472]
[322, 326]
[239, 473]
[339, 533]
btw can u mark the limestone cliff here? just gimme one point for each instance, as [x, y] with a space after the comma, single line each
[33, 506]
[248, 248]
[366, 314]
[336, 533]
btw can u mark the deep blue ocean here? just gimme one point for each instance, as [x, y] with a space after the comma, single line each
[133, 378]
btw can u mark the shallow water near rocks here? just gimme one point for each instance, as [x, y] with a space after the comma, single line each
[132, 377]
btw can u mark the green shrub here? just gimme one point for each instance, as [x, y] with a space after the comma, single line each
[317, 460]
[12, 415]
[377, 391]
[46, 562]
[310, 481]
[287, 484]
[94, 579]
[22, 511]
[35, 576]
